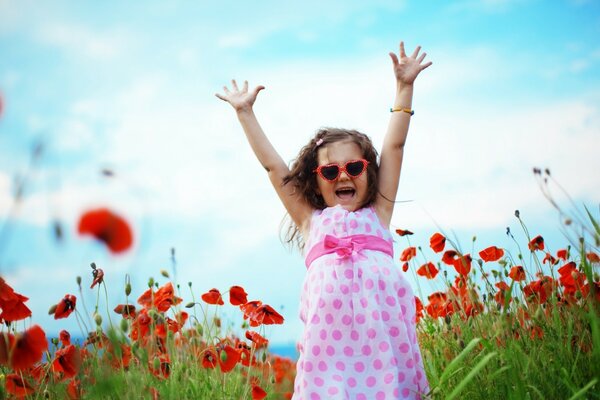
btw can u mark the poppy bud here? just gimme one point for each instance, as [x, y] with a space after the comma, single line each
[150, 282]
[547, 171]
[156, 363]
[127, 289]
[517, 213]
[264, 357]
[190, 283]
[55, 341]
[98, 319]
[200, 330]
[568, 221]
[78, 279]
[190, 304]
[164, 273]
[52, 310]
[124, 325]
[93, 265]
[152, 314]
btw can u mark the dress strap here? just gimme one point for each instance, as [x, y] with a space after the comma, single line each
[348, 246]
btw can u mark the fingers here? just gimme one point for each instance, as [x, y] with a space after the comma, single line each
[426, 65]
[257, 89]
[394, 58]
[245, 88]
[402, 52]
[421, 58]
[234, 85]
[220, 96]
[416, 52]
[226, 90]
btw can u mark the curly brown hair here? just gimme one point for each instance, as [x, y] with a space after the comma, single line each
[304, 179]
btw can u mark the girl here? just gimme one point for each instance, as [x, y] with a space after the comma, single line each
[360, 337]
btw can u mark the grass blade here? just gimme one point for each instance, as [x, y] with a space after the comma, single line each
[470, 375]
[584, 389]
[458, 359]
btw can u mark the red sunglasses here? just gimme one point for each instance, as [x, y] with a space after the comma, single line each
[331, 172]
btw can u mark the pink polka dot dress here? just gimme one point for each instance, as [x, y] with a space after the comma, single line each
[359, 340]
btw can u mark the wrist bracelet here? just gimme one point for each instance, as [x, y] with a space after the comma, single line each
[406, 110]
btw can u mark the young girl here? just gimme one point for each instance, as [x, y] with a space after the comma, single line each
[359, 339]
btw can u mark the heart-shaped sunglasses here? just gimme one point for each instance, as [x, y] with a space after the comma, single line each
[331, 172]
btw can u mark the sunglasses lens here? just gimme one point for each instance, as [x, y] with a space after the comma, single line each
[355, 168]
[331, 172]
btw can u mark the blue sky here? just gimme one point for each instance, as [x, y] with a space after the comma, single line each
[130, 87]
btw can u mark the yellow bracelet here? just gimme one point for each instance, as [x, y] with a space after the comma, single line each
[406, 110]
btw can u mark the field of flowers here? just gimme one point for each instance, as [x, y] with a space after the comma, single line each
[516, 326]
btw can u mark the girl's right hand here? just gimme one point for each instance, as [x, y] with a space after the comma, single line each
[240, 100]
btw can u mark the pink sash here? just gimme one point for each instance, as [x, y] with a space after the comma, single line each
[348, 246]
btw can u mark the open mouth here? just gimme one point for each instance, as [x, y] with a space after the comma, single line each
[345, 193]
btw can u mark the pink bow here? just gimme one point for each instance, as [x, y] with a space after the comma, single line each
[345, 247]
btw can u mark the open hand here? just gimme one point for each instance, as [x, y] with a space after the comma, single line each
[407, 68]
[239, 99]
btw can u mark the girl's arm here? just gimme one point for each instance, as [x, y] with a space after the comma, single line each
[406, 70]
[242, 101]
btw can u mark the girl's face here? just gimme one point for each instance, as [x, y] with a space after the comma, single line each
[345, 191]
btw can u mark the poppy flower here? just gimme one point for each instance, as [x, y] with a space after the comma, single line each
[209, 359]
[64, 337]
[258, 393]
[67, 361]
[256, 338]
[538, 291]
[537, 243]
[213, 296]
[437, 242]
[449, 256]
[517, 273]
[28, 348]
[250, 307]
[492, 253]
[593, 257]
[418, 308]
[17, 385]
[74, 389]
[98, 275]
[436, 304]
[237, 295]
[65, 307]
[551, 260]
[265, 315]
[228, 358]
[405, 267]
[429, 270]
[160, 366]
[107, 227]
[126, 310]
[408, 253]
[12, 305]
[463, 264]
[145, 299]
[165, 297]
[403, 232]
[562, 254]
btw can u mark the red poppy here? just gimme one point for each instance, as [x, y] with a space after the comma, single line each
[250, 307]
[593, 257]
[165, 297]
[67, 361]
[28, 348]
[265, 315]
[436, 304]
[562, 254]
[126, 310]
[537, 243]
[418, 308]
[213, 296]
[18, 386]
[437, 242]
[237, 296]
[492, 253]
[499, 297]
[539, 291]
[98, 277]
[551, 260]
[256, 338]
[65, 307]
[160, 366]
[74, 389]
[405, 267]
[64, 337]
[429, 270]
[403, 232]
[228, 358]
[145, 299]
[449, 256]
[209, 358]
[463, 264]
[108, 227]
[517, 273]
[408, 253]
[12, 305]
[258, 393]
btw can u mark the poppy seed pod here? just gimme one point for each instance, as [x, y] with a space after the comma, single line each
[98, 319]
[127, 289]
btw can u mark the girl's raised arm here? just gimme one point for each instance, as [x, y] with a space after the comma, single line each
[242, 101]
[406, 70]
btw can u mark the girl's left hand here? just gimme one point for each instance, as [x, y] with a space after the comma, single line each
[407, 68]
